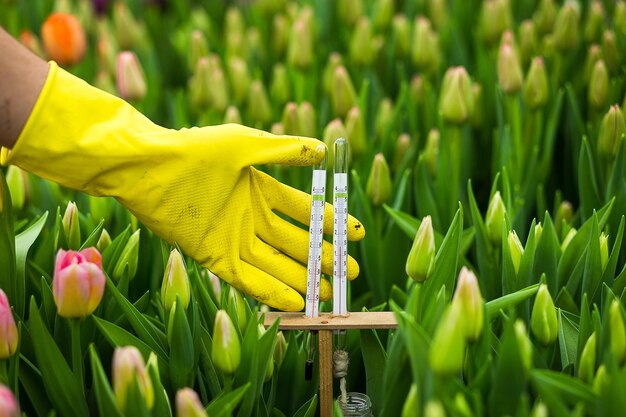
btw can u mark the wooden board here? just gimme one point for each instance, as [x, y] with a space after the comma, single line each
[326, 321]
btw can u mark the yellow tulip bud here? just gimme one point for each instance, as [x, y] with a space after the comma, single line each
[516, 249]
[175, 282]
[128, 366]
[103, 241]
[604, 250]
[71, 225]
[188, 404]
[379, 185]
[434, 408]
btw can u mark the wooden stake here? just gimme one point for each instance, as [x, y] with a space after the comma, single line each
[325, 324]
[326, 372]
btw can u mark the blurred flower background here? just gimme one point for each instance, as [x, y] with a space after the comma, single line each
[487, 164]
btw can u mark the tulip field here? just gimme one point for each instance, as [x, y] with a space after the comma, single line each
[487, 166]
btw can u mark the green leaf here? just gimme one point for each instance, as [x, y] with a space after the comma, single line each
[308, 409]
[565, 386]
[23, 242]
[374, 359]
[493, 307]
[8, 281]
[93, 237]
[112, 253]
[139, 323]
[225, 404]
[107, 405]
[181, 348]
[568, 339]
[587, 181]
[61, 384]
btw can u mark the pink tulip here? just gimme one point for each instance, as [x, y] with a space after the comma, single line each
[78, 282]
[131, 81]
[8, 406]
[8, 330]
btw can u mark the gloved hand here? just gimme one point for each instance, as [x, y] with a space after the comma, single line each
[195, 187]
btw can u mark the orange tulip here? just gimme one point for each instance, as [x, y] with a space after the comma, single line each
[64, 38]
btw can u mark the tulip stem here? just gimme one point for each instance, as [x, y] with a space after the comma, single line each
[4, 375]
[77, 353]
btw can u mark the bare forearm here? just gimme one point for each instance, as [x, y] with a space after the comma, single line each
[22, 76]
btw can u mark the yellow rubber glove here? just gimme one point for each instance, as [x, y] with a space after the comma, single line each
[195, 187]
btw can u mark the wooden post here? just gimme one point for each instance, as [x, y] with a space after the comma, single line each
[325, 324]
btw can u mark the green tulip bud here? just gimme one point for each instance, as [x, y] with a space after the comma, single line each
[619, 16]
[226, 351]
[539, 410]
[334, 61]
[594, 54]
[307, 120]
[612, 127]
[515, 249]
[255, 46]
[175, 282]
[566, 27]
[378, 187]
[601, 380]
[280, 89]
[595, 22]
[617, 332]
[425, 46]
[198, 48]
[71, 225]
[401, 34]
[128, 258]
[434, 408]
[239, 78]
[259, 107]
[300, 52]
[604, 250]
[333, 131]
[289, 119]
[200, 85]
[411, 402]
[437, 12]
[598, 91]
[127, 29]
[362, 51]
[382, 13]
[355, 129]
[524, 344]
[456, 103]
[417, 89]
[611, 51]
[461, 405]
[403, 145]
[431, 151]
[218, 90]
[468, 296]
[104, 241]
[188, 404]
[349, 11]
[384, 118]
[131, 81]
[495, 18]
[421, 259]
[447, 350]
[17, 182]
[280, 34]
[565, 213]
[543, 321]
[509, 69]
[277, 129]
[528, 41]
[280, 349]
[234, 29]
[495, 218]
[343, 96]
[240, 307]
[587, 366]
[232, 115]
[535, 92]
[544, 16]
[128, 368]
